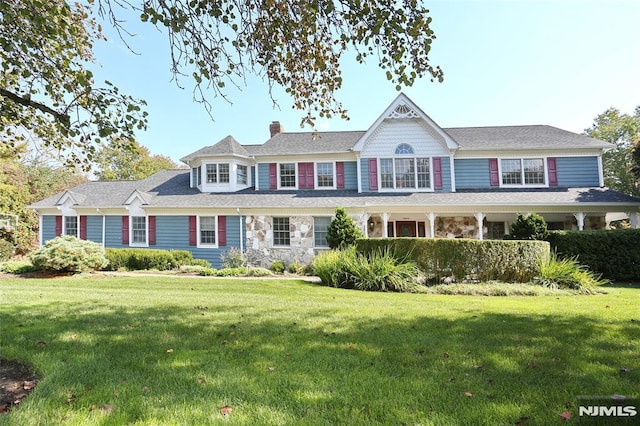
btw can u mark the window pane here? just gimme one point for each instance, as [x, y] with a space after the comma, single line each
[288, 175]
[386, 173]
[241, 175]
[281, 235]
[405, 173]
[207, 230]
[533, 171]
[424, 179]
[404, 149]
[320, 225]
[71, 225]
[139, 229]
[212, 173]
[223, 169]
[325, 175]
[199, 175]
[511, 172]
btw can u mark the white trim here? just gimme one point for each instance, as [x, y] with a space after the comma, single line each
[199, 243]
[316, 175]
[146, 230]
[295, 171]
[415, 174]
[64, 225]
[273, 238]
[452, 174]
[314, 230]
[600, 171]
[524, 185]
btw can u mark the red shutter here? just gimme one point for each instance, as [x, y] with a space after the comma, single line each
[373, 174]
[193, 236]
[58, 226]
[222, 231]
[125, 230]
[152, 230]
[553, 171]
[83, 227]
[437, 173]
[493, 172]
[340, 174]
[273, 176]
[305, 176]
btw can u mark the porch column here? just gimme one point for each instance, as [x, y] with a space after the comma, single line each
[480, 219]
[633, 219]
[365, 220]
[580, 218]
[385, 221]
[432, 224]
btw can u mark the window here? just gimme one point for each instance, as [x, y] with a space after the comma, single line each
[71, 225]
[218, 173]
[139, 230]
[199, 175]
[404, 149]
[528, 171]
[325, 175]
[281, 234]
[241, 175]
[386, 172]
[288, 175]
[207, 231]
[403, 173]
[320, 226]
[424, 176]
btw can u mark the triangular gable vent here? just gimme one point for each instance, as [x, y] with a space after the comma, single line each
[403, 111]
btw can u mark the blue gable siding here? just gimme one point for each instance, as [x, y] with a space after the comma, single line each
[577, 171]
[472, 173]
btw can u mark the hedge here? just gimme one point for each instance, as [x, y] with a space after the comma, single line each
[613, 253]
[484, 260]
[141, 259]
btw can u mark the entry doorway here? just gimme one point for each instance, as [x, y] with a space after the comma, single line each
[407, 229]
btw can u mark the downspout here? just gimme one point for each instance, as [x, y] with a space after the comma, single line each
[104, 225]
[240, 226]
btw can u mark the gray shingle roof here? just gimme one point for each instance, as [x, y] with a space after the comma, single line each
[294, 143]
[170, 188]
[226, 146]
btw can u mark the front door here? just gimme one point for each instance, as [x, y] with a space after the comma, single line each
[405, 229]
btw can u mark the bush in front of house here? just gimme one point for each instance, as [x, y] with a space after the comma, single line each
[6, 250]
[233, 258]
[379, 270]
[67, 253]
[277, 267]
[342, 231]
[613, 253]
[14, 267]
[528, 227]
[567, 273]
[133, 259]
[462, 259]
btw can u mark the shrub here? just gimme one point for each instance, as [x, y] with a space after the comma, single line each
[233, 258]
[277, 266]
[208, 272]
[259, 272]
[613, 253]
[199, 262]
[296, 267]
[193, 269]
[529, 227]
[484, 260]
[17, 267]
[342, 231]
[6, 250]
[567, 273]
[69, 254]
[328, 266]
[145, 259]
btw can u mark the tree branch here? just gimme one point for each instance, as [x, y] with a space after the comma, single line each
[27, 102]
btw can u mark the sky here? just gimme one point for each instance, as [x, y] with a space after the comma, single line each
[517, 62]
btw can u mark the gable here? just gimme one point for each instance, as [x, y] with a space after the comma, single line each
[404, 122]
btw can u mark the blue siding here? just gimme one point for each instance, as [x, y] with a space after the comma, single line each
[364, 174]
[472, 173]
[263, 176]
[48, 228]
[577, 171]
[350, 175]
[94, 228]
[446, 175]
[113, 236]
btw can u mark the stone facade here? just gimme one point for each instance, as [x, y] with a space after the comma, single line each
[457, 227]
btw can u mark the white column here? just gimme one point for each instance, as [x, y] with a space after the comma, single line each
[359, 178]
[385, 221]
[580, 218]
[633, 219]
[365, 219]
[480, 219]
[432, 224]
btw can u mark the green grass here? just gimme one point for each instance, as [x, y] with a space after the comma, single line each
[169, 350]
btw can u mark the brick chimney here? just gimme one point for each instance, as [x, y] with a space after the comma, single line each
[275, 127]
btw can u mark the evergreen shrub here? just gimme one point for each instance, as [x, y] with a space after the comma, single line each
[134, 259]
[67, 253]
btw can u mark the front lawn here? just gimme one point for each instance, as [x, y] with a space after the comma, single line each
[173, 350]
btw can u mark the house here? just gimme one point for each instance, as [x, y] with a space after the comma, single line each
[405, 176]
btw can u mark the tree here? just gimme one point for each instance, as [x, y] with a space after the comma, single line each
[134, 163]
[621, 130]
[529, 227]
[342, 231]
[47, 90]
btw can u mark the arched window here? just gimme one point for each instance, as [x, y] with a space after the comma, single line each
[404, 149]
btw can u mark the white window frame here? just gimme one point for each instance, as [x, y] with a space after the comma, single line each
[326, 244]
[335, 176]
[218, 173]
[200, 244]
[273, 240]
[295, 174]
[146, 232]
[415, 187]
[545, 173]
[64, 225]
[246, 175]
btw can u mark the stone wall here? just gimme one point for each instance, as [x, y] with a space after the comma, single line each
[457, 227]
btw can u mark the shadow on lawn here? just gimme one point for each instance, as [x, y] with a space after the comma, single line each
[147, 364]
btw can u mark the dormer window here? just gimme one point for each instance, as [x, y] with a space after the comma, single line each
[404, 149]
[405, 171]
[218, 173]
